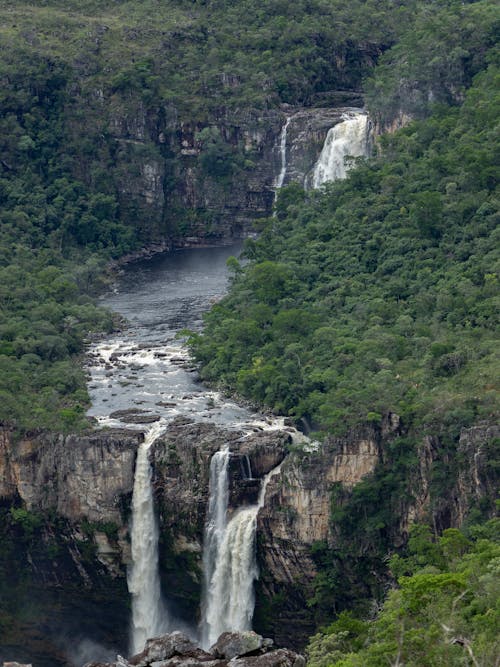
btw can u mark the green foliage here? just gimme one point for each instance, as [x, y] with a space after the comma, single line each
[443, 613]
[435, 61]
[379, 293]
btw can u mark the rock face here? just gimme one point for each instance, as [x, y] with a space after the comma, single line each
[306, 134]
[80, 477]
[167, 169]
[64, 509]
[297, 511]
[181, 463]
[297, 514]
[64, 505]
[245, 649]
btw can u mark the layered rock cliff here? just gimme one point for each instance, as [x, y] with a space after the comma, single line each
[199, 182]
[65, 505]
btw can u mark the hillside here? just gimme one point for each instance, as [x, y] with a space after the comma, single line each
[96, 104]
[366, 312]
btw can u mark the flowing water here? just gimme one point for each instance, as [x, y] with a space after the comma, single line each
[142, 376]
[282, 152]
[349, 138]
[230, 580]
[149, 615]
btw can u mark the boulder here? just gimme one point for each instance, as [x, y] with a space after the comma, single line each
[163, 648]
[237, 649]
[236, 644]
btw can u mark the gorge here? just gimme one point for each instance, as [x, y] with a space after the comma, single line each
[140, 376]
[147, 483]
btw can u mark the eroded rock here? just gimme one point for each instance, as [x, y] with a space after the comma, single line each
[238, 649]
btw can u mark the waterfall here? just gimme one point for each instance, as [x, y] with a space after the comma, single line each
[282, 149]
[348, 138]
[149, 616]
[246, 468]
[230, 596]
[214, 534]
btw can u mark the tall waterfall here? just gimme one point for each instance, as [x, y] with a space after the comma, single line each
[282, 149]
[348, 138]
[229, 591]
[214, 534]
[149, 616]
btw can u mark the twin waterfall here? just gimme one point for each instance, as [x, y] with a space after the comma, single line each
[149, 616]
[229, 556]
[349, 138]
[229, 561]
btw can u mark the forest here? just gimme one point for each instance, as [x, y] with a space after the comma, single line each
[374, 295]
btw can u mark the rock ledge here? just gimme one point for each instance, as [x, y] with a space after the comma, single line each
[239, 649]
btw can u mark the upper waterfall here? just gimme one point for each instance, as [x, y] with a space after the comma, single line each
[282, 151]
[348, 138]
[149, 616]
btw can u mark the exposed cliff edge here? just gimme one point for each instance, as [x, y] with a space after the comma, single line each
[209, 182]
[299, 505]
[66, 504]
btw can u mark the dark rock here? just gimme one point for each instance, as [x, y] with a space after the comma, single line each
[167, 646]
[280, 658]
[118, 414]
[243, 649]
[141, 419]
[235, 644]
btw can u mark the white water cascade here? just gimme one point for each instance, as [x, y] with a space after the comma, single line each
[348, 138]
[282, 151]
[214, 534]
[149, 616]
[229, 590]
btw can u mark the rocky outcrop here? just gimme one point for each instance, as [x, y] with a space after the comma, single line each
[83, 486]
[243, 649]
[181, 463]
[473, 482]
[66, 503]
[299, 502]
[77, 477]
[203, 182]
[306, 134]
[297, 514]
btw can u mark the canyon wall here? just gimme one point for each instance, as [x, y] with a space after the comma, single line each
[65, 505]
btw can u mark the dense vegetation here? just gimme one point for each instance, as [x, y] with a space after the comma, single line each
[69, 70]
[443, 612]
[376, 294]
[379, 293]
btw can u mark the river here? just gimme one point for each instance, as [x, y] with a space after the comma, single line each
[145, 368]
[142, 378]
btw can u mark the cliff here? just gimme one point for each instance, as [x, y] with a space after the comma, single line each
[299, 517]
[66, 502]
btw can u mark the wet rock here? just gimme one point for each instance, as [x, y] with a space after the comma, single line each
[236, 644]
[118, 414]
[166, 404]
[142, 419]
[242, 649]
[168, 646]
